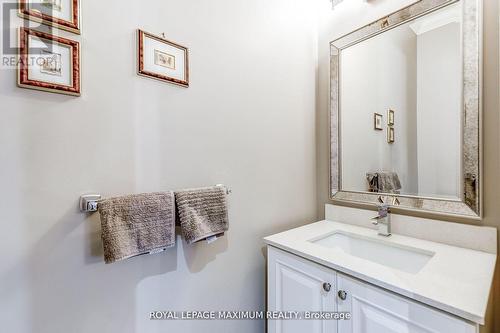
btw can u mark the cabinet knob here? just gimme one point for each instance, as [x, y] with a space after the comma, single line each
[327, 287]
[342, 295]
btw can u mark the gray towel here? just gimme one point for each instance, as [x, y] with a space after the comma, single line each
[137, 224]
[388, 182]
[383, 182]
[372, 179]
[202, 212]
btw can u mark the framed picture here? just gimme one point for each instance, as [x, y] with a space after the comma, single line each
[62, 14]
[390, 117]
[163, 60]
[390, 135]
[48, 63]
[377, 122]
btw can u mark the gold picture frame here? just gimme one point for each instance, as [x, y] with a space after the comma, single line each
[390, 117]
[377, 122]
[390, 135]
[71, 24]
[49, 63]
[168, 62]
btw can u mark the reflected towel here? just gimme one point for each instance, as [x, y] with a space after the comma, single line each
[137, 224]
[383, 182]
[388, 182]
[372, 179]
[202, 212]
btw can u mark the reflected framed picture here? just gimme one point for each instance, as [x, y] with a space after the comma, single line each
[377, 122]
[62, 14]
[390, 118]
[48, 63]
[161, 59]
[390, 135]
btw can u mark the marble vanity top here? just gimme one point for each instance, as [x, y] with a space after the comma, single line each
[456, 280]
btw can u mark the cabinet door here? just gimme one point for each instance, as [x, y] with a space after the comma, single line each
[375, 310]
[296, 284]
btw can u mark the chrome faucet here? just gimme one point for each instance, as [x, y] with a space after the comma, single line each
[383, 220]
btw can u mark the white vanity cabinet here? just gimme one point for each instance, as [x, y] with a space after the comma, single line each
[297, 284]
[376, 310]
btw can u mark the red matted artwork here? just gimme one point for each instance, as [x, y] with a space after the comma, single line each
[62, 14]
[48, 63]
[161, 59]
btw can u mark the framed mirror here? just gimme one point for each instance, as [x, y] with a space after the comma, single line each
[405, 120]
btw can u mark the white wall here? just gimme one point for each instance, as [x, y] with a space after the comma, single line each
[439, 114]
[377, 75]
[248, 120]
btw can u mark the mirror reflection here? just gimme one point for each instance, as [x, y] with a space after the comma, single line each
[401, 109]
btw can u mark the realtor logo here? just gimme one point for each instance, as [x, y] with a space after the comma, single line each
[11, 23]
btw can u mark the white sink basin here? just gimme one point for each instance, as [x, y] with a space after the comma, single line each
[404, 258]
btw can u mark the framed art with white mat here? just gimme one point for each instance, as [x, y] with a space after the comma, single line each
[48, 63]
[161, 59]
[62, 14]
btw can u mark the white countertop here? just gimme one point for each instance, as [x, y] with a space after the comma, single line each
[455, 280]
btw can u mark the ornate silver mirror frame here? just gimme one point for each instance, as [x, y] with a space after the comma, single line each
[469, 206]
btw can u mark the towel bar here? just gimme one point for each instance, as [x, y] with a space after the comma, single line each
[89, 202]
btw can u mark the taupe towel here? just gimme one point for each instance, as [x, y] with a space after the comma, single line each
[202, 212]
[383, 182]
[372, 179]
[137, 224]
[388, 182]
